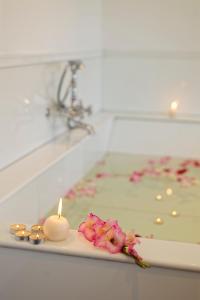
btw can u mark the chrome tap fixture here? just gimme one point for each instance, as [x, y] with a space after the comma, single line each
[75, 112]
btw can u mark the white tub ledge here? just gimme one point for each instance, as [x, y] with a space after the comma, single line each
[75, 270]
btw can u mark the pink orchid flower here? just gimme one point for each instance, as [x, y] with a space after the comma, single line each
[111, 239]
[109, 236]
[87, 228]
[131, 239]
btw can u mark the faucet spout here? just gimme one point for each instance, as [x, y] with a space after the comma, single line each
[75, 111]
[75, 124]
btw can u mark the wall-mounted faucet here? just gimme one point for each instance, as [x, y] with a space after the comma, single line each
[75, 111]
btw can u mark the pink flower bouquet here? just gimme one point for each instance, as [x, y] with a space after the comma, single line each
[109, 236]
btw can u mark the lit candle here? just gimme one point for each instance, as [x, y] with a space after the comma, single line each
[17, 227]
[56, 227]
[158, 197]
[173, 108]
[22, 235]
[174, 213]
[37, 238]
[169, 192]
[158, 221]
[37, 228]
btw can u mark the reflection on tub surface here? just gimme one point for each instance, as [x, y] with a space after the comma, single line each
[153, 196]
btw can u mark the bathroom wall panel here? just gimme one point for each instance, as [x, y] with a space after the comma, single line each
[32, 32]
[171, 25]
[152, 55]
[25, 94]
[155, 138]
[50, 26]
[150, 84]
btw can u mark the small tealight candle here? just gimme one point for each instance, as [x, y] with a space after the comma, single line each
[17, 227]
[37, 228]
[174, 213]
[37, 238]
[22, 235]
[158, 221]
[169, 192]
[56, 227]
[173, 108]
[158, 197]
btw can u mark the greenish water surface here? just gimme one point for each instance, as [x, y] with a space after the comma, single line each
[134, 204]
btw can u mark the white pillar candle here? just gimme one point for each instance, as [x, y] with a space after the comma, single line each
[56, 227]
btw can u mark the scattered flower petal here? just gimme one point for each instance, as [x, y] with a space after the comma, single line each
[136, 176]
[164, 160]
[181, 171]
[71, 194]
[103, 175]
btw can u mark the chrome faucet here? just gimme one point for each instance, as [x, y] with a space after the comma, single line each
[75, 112]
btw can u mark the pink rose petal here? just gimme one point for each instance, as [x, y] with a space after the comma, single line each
[103, 175]
[164, 160]
[136, 176]
[71, 194]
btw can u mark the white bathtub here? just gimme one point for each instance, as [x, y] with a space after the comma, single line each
[74, 269]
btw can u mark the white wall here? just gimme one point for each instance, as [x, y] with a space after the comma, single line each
[152, 54]
[150, 137]
[152, 25]
[50, 25]
[33, 33]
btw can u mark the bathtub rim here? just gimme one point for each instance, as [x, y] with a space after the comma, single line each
[149, 249]
[79, 137]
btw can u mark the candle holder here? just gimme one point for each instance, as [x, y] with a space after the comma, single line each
[37, 228]
[22, 235]
[37, 238]
[17, 227]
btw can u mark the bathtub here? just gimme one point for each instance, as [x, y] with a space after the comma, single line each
[74, 269]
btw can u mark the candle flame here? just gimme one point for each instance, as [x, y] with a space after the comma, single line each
[60, 208]
[37, 236]
[174, 106]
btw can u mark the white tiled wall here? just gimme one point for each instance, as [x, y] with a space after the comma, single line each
[25, 94]
[152, 54]
[50, 25]
[150, 84]
[150, 137]
[32, 32]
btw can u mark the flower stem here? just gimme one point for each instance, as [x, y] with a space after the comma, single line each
[138, 260]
